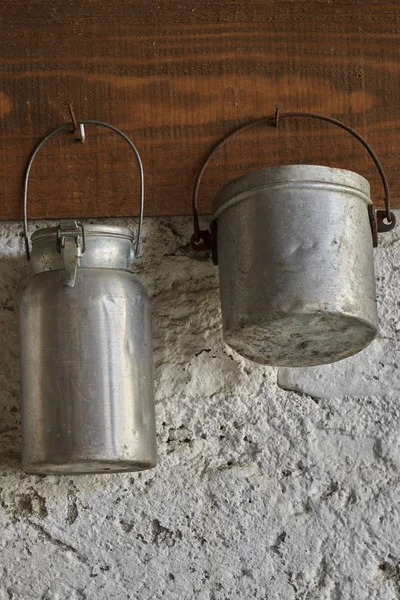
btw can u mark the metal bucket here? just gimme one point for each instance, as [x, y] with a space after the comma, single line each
[87, 399]
[295, 260]
[294, 249]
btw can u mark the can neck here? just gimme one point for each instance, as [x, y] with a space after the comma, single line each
[72, 246]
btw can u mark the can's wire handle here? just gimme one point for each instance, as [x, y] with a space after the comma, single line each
[81, 124]
[381, 220]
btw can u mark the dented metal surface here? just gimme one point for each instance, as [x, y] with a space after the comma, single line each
[295, 255]
[86, 359]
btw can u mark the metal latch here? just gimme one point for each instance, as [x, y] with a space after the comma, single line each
[71, 244]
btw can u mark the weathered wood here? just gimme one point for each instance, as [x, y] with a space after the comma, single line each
[177, 76]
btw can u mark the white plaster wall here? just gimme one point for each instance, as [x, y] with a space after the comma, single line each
[259, 493]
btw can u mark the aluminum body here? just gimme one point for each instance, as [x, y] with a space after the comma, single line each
[295, 257]
[86, 358]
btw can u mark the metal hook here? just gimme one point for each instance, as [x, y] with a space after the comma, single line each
[75, 124]
[73, 118]
[82, 133]
[276, 117]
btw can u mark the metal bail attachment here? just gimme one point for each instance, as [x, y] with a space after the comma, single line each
[71, 244]
[381, 220]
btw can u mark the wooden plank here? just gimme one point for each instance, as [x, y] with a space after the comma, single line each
[177, 76]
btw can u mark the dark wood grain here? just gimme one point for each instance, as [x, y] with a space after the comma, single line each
[177, 76]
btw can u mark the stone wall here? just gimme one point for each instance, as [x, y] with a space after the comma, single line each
[260, 492]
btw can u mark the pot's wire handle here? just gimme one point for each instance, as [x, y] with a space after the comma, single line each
[81, 124]
[381, 220]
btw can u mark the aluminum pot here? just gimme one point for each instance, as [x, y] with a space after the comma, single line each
[294, 246]
[296, 269]
[87, 397]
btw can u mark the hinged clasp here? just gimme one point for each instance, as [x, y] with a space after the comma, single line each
[71, 244]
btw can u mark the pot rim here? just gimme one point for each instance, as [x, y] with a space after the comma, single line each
[288, 176]
[46, 233]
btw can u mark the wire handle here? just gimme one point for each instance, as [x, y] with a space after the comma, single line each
[381, 220]
[81, 123]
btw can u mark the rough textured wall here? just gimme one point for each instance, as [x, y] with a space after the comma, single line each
[259, 492]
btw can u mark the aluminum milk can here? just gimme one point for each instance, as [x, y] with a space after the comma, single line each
[86, 353]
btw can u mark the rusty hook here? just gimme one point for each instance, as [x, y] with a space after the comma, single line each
[276, 116]
[76, 124]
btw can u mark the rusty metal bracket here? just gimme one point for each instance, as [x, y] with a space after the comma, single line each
[201, 241]
[379, 223]
[374, 224]
[384, 224]
[214, 247]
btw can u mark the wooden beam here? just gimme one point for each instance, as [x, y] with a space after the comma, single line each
[177, 76]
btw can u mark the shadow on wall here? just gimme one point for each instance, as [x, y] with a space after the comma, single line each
[184, 298]
[374, 371]
[14, 276]
[191, 360]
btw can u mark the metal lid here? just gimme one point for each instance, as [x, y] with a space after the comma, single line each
[73, 246]
[288, 175]
[90, 230]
